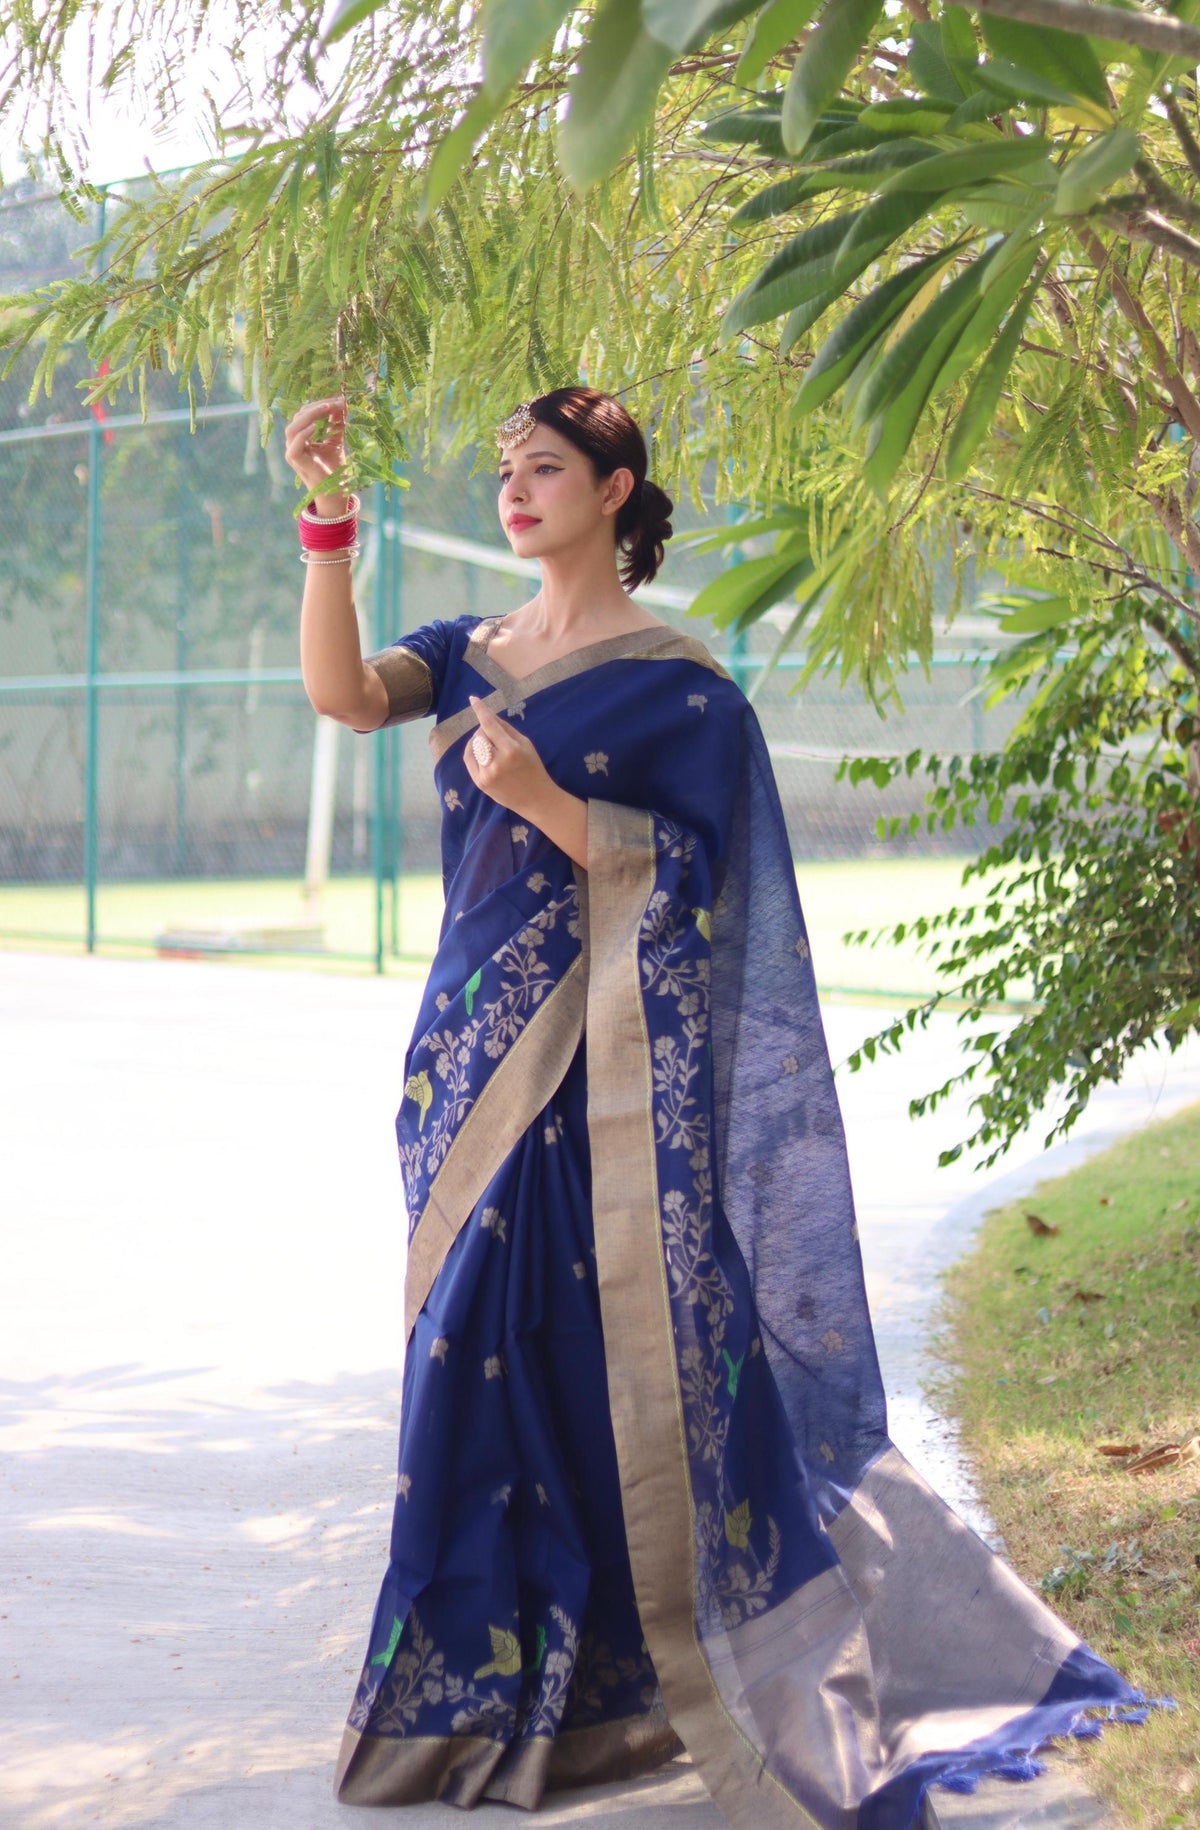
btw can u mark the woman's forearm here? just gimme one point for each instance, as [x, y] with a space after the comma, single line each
[337, 680]
[563, 819]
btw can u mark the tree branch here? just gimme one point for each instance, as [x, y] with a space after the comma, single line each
[1149, 31]
[1183, 133]
[1183, 400]
[1137, 575]
[1178, 525]
[1183, 651]
[1149, 227]
[1171, 202]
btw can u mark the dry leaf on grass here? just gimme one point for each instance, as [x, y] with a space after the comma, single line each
[1118, 1448]
[1165, 1455]
[1041, 1228]
[1087, 1296]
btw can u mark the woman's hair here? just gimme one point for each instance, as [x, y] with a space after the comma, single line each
[605, 433]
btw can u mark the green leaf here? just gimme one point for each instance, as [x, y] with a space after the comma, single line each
[907, 116]
[1041, 613]
[970, 165]
[349, 14]
[959, 45]
[735, 533]
[862, 171]
[1015, 261]
[892, 430]
[1001, 207]
[1186, 1016]
[455, 150]
[818, 581]
[762, 127]
[976, 111]
[822, 67]
[1086, 177]
[928, 64]
[1067, 58]
[983, 397]
[802, 319]
[1014, 83]
[868, 321]
[614, 86]
[514, 31]
[746, 590]
[779, 197]
[777, 24]
[905, 373]
[870, 230]
[682, 25]
[799, 271]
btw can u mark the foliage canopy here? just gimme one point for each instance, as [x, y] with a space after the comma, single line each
[906, 283]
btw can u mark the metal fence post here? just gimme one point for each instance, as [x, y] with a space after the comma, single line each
[738, 646]
[92, 665]
[379, 754]
[394, 634]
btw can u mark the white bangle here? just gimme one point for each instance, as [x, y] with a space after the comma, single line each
[330, 559]
[306, 514]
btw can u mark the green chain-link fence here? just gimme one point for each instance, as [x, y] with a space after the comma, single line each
[163, 779]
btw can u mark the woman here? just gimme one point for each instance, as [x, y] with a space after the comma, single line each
[646, 1495]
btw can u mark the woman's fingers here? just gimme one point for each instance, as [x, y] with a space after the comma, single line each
[321, 457]
[333, 409]
[489, 723]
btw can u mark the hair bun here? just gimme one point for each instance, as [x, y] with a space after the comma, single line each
[644, 525]
[657, 509]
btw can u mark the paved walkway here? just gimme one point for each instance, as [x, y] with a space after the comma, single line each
[199, 1387]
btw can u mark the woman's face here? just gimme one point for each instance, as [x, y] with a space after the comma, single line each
[551, 498]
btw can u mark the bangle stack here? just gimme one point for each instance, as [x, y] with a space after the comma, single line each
[329, 540]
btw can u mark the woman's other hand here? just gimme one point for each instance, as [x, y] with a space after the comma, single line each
[514, 776]
[315, 447]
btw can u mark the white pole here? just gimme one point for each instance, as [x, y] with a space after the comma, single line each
[321, 804]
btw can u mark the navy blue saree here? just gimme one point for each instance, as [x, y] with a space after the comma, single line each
[646, 1497]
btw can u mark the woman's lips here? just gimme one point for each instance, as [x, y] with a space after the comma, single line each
[516, 522]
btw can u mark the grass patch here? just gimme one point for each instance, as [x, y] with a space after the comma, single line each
[839, 896]
[130, 915]
[1057, 1343]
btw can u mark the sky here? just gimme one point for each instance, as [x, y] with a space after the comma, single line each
[119, 142]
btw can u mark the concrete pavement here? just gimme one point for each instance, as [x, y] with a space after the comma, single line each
[199, 1375]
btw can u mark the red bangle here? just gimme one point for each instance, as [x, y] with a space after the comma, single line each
[328, 533]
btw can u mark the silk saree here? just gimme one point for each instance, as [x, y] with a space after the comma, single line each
[646, 1498]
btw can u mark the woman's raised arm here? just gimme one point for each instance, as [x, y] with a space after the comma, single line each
[337, 680]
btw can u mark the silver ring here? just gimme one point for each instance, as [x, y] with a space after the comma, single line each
[483, 748]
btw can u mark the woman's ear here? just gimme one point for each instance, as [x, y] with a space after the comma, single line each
[617, 490]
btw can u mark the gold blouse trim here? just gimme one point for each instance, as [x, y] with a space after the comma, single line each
[408, 681]
[652, 644]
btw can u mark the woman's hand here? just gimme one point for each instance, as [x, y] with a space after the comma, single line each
[514, 776]
[316, 459]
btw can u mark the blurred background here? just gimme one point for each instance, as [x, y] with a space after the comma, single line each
[164, 783]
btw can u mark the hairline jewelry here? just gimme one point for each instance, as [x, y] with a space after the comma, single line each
[516, 428]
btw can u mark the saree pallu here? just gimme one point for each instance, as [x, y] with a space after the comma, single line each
[646, 1498]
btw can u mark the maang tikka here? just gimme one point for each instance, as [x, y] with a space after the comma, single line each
[516, 428]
